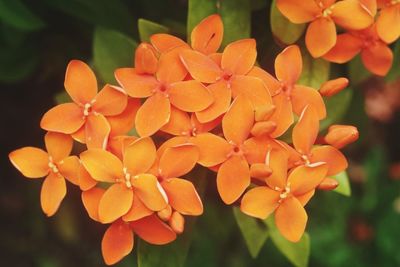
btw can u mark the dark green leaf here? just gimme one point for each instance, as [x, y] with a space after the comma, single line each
[62, 97]
[394, 72]
[148, 28]
[236, 15]
[357, 71]
[336, 107]
[344, 184]
[198, 10]
[111, 50]
[254, 231]
[17, 14]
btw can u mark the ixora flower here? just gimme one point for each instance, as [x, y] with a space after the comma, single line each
[388, 22]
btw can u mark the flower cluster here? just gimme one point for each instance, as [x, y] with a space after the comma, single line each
[190, 105]
[361, 33]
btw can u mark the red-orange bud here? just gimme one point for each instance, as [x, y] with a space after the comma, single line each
[341, 135]
[177, 222]
[332, 87]
[328, 184]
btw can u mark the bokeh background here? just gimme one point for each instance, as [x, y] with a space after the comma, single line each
[37, 40]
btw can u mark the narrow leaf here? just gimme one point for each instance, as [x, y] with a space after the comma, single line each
[344, 184]
[18, 15]
[148, 28]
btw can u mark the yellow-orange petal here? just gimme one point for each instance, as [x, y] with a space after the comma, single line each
[110, 101]
[306, 197]
[152, 115]
[146, 61]
[298, 11]
[65, 118]
[335, 160]
[80, 82]
[178, 160]
[179, 123]
[86, 181]
[388, 23]
[320, 36]
[277, 160]
[201, 67]
[255, 148]
[152, 230]
[341, 135]
[289, 65]
[69, 169]
[164, 42]
[222, 99]
[272, 84]
[238, 120]
[115, 202]
[199, 127]
[190, 96]
[233, 178]
[91, 199]
[212, 148]
[58, 145]
[306, 131]
[371, 5]
[53, 192]
[283, 114]
[170, 67]
[32, 162]
[150, 192]
[260, 202]
[346, 47]
[134, 84]
[207, 36]
[378, 58]
[260, 171]
[263, 128]
[102, 165]
[97, 131]
[291, 219]
[303, 96]
[140, 155]
[182, 196]
[351, 14]
[306, 178]
[124, 122]
[239, 57]
[137, 211]
[253, 88]
[117, 242]
[332, 87]
[177, 222]
[79, 135]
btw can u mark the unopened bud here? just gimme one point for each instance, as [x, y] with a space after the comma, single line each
[263, 127]
[145, 59]
[341, 135]
[165, 214]
[260, 171]
[264, 112]
[328, 184]
[177, 222]
[332, 87]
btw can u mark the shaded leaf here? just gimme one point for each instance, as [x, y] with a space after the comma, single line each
[148, 28]
[336, 107]
[357, 72]
[344, 184]
[197, 11]
[236, 16]
[394, 72]
[315, 71]
[17, 14]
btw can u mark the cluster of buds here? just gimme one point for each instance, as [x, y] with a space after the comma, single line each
[190, 105]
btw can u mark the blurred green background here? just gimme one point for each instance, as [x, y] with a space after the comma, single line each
[37, 40]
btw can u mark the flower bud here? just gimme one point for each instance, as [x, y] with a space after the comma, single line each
[263, 127]
[328, 184]
[341, 135]
[332, 87]
[260, 171]
[177, 222]
[165, 214]
[264, 112]
[146, 61]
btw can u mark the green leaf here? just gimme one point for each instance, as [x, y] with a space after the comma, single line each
[17, 14]
[148, 28]
[336, 107]
[344, 184]
[315, 71]
[197, 11]
[62, 97]
[111, 50]
[285, 31]
[297, 253]
[254, 231]
[394, 72]
[357, 71]
[236, 15]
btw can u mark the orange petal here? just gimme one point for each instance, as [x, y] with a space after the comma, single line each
[91, 199]
[320, 36]
[117, 242]
[253, 88]
[305, 198]
[79, 135]
[179, 160]
[125, 121]
[388, 24]
[272, 84]
[255, 148]
[222, 99]
[32, 162]
[303, 96]
[378, 58]
[86, 181]
[102, 165]
[117, 144]
[137, 211]
[351, 14]
[58, 145]
[80, 82]
[179, 123]
[170, 68]
[146, 60]
[298, 11]
[306, 130]
[239, 57]
[259, 202]
[306, 178]
[233, 178]
[150, 192]
[69, 169]
[97, 130]
[200, 67]
[52, 193]
[72, 119]
[346, 47]
[333, 157]
[134, 84]
[341, 135]
[238, 120]
[115, 202]
[140, 155]
[183, 196]
[110, 101]
[190, 96]
[164, 42]
[283, 115]
[291, 219]
[277, 160]
[371, 5]
[332, 87]
[289, 65]
[152, 115]
[216, 57]
[199, 127]
[212, 148]
[207, 36]
[152, 230]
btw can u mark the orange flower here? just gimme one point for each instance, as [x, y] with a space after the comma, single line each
[56, 164]
[388, 22]
[375, 53]
[85, 117]
[323, 15]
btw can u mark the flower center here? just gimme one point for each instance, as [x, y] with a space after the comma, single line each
[52, 166]
[327, 12]
[127, 178]
[284, 192]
